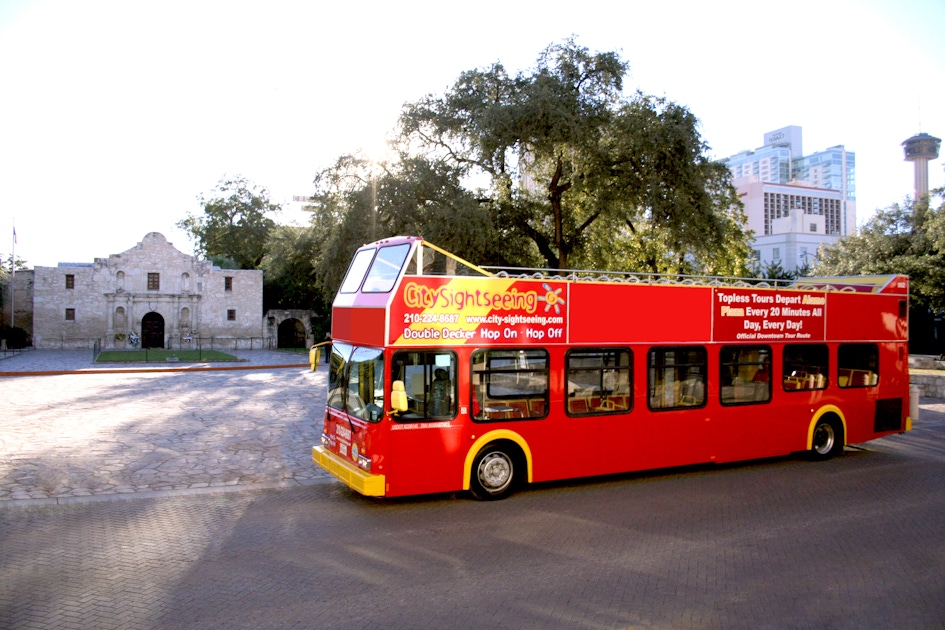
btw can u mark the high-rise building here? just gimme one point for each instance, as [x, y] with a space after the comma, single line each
[795, 203]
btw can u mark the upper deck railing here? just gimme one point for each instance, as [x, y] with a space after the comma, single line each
[852, 284]
[627, 277]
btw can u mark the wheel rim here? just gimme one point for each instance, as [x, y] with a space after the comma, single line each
[823, 439]
[495, 472]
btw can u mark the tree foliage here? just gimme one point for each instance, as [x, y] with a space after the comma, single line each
[235, 224]
[552, 167]
[907, 238]
[289, 279]
[576, 168]
[358, 201]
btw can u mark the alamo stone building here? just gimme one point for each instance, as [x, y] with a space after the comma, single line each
[157, 293]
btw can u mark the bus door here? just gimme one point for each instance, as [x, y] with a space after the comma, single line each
[747, 426]
[425, 440]
[599, 403]
[513, 389]
[858, 379]
[670, 426]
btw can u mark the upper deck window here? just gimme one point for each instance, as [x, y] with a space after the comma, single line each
[386, 268]
[436, 262]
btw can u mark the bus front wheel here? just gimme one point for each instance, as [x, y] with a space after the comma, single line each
[827, 440]
[493, 473]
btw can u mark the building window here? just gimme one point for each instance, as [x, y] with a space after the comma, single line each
[227, 283]
[231, 315]
[776, 253]
[70, 281]
[813, 227]
[70, 314]
[154, 282]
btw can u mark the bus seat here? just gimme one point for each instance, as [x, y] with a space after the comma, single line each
[692, 392]
[520, 407]
[398, 397]
[536, 407]
[578, 405]
[843, 379]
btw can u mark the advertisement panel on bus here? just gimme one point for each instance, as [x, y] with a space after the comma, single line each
[483, 311]
[766, 315]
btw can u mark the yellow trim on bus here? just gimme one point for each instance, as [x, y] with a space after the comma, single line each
[363, 482]
[455, 257]
[817, 416]
[492, 436]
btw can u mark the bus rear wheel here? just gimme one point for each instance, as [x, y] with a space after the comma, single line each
[827, 440]
[493, 473]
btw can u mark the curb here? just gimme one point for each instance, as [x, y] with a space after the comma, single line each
[157, 494]
[156, 369]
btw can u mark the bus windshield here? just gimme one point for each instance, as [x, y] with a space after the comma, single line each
[386, 267]
[355, 275]
[356, 381]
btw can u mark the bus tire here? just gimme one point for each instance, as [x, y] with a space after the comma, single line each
[495, 470]
[827, 440]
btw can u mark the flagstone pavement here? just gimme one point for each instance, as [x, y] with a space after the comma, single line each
[73, 431]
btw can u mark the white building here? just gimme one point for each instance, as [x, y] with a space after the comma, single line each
[790, 221]
[795, 203]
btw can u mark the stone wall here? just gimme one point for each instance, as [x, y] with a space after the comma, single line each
[18, 294]
[930, 385]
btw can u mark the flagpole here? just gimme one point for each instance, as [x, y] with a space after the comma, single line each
[13, 280]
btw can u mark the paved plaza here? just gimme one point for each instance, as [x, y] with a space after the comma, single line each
[222, 521]
[102, 431]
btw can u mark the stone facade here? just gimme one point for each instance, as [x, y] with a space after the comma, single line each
[18, 294]
[154, 291]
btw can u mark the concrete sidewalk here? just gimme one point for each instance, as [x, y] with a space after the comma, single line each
[98, 433]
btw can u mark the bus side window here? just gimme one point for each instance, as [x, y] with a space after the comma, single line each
[599, 381]
[744, 375]
[805, 367]
[676, 377]
[858, 365]
[509, 384]
[429, 379]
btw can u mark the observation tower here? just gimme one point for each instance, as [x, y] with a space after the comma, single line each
[919, 149]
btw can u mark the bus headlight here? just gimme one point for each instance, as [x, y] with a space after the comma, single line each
[364, 462]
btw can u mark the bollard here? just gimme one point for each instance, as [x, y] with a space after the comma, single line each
[914, 392]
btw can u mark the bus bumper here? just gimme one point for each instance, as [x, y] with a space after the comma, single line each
[363, 482]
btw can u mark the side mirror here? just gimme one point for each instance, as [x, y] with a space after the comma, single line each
[398, 397]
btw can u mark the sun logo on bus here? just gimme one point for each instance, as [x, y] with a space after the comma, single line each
[552, 298]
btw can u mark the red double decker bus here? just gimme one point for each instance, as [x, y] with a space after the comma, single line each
[445, 376]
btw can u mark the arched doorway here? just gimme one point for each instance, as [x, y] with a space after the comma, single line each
[291, 334]
[152, 330]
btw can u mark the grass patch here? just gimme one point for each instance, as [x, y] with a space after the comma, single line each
[161, 355]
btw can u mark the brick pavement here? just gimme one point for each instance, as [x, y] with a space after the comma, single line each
[99, 434]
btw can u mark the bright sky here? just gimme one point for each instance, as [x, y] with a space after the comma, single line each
[116, 115]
